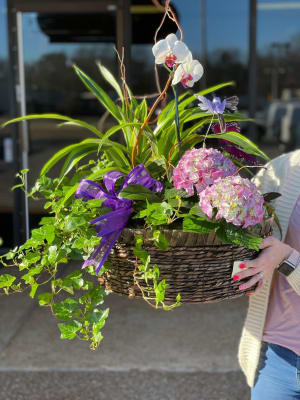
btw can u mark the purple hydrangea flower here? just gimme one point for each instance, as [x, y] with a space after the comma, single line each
[236, 199]
[199, 168]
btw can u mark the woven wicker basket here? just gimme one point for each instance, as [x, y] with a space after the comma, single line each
[199, 267]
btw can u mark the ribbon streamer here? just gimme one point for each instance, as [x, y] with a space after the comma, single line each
[110, 226]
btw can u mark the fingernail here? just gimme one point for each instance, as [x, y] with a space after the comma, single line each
[241, 287]
[249, 294]
[235, 277]
[242, 266]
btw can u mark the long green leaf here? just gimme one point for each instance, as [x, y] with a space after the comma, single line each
[100, 94]
[76, 122]
[73, 159]
[228, 117]
[115, 154]
[242, 141]
[169, 110]
[108, 76]
[119, 127]
[65, 151]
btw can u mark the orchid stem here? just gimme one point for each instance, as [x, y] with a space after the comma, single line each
[177, 118]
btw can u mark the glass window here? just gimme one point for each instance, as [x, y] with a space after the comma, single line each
[278, 85]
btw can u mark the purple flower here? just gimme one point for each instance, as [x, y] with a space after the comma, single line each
[230, 127]
[236, 199]
[199, 168]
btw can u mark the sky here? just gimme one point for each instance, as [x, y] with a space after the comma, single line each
[227, 27]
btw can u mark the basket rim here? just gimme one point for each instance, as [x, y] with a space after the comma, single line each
[180, 238]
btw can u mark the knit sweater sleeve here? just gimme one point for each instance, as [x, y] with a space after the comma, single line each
[283, 175]
[269, 179]
[266, 179]
[294, 280]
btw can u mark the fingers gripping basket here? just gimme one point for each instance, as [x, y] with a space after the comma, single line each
[199, 267]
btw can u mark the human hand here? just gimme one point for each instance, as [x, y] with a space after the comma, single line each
[260, 269]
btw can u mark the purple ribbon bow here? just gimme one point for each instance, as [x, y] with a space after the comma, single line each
[110, 226]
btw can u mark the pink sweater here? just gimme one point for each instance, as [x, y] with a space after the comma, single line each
[283, 317]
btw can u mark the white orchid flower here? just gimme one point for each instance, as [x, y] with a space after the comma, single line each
[170, 51]
[188, 73]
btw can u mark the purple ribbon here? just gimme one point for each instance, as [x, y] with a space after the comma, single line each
[110, 226]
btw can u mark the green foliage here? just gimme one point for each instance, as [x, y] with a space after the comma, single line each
[6, 280]
[229, 233]
[199, 225]
[139, 192]
[77, 299]
[63, 236]
[147, 277]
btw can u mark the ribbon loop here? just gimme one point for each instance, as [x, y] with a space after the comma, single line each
[110, 226]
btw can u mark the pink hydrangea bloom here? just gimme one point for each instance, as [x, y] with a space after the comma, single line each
[199, 168]
[236, 199]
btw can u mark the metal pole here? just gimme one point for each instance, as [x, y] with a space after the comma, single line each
[252, 66]
[22, 94]
[18, 210]
[124, 34]
[203, 40]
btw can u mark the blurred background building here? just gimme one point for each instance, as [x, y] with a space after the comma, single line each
[254, 42]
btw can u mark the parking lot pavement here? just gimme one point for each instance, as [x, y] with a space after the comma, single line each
[146, 354]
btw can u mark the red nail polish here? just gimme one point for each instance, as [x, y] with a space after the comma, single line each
[235, 277]
[249, 294]
[242, 266]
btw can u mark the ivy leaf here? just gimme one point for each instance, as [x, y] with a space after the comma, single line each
[33, 290]
[74, 279]
[160, 240]
[198, 225]
[45, 232]
[79, 243]
[45, 298]
[33, 271]
[64, 309]
[160, 291]
[142, 255]
[173, 193]
[69, 329]
[156, 214]
[52, 254]
[29, 259]
[47, 221]
[96, 296]
[6, 280]
[139, 192]
[72, 223]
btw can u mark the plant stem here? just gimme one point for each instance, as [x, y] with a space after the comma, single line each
[177, 119]
[134, 149]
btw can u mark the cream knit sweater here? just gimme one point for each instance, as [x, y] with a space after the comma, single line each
[282, 175]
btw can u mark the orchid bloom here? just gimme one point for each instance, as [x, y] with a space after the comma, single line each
[188, 72]
[170, 51]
